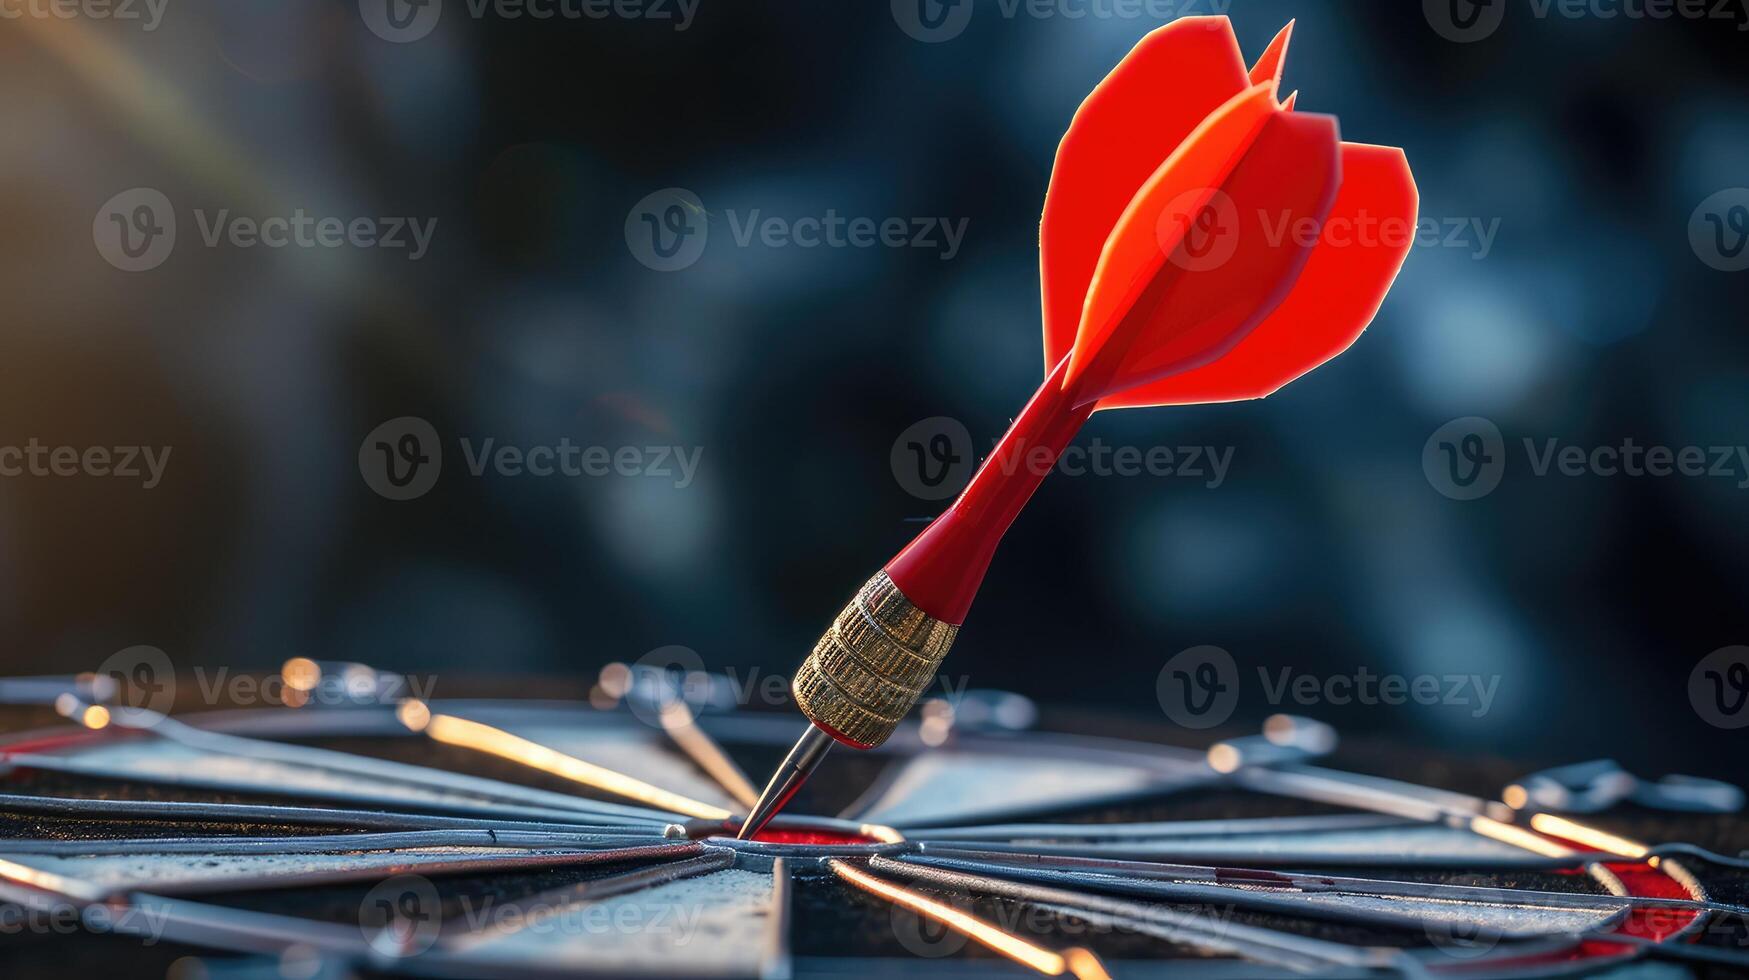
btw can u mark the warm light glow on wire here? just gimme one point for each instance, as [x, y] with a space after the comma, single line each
[682, 726]
[450, 730]
[882, 833]
[1591, 837]
[49, 881]
[1519, 837]
[1079, 962]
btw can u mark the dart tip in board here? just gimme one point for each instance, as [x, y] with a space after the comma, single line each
[818, 838]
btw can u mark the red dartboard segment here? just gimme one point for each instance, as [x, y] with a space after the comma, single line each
[1658, 924]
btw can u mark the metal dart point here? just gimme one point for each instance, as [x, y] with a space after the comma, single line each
[801, 762]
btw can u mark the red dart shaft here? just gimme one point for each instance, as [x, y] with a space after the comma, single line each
[883, 648]
[941, 570]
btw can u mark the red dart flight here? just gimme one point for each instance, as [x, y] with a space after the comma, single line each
[1202, 241]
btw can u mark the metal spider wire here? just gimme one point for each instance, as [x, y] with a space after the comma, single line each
[1154, 878]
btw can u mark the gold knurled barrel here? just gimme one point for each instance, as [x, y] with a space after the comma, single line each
[873, 664]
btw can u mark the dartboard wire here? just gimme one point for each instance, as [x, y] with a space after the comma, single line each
[1160, 829]
[404, 861]
[1398, 798]
[1393, 797]
[161, 918]
[1206, 932]
[1430, 805]
[481, 737]
[777, 962]
[180, 811]
[1410, 915]
[1075, 961]
[681, 724]
[324, 843]
[1390, 796]
[1196, 883]
[532, 911]
[472, 788]
[34, 691]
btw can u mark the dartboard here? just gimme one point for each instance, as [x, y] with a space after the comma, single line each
[484, 838]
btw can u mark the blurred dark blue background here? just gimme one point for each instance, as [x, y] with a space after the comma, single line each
[1586, 144]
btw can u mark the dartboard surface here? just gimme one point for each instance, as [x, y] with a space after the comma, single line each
[540, 838]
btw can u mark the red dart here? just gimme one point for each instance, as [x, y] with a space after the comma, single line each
[1202, 241]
